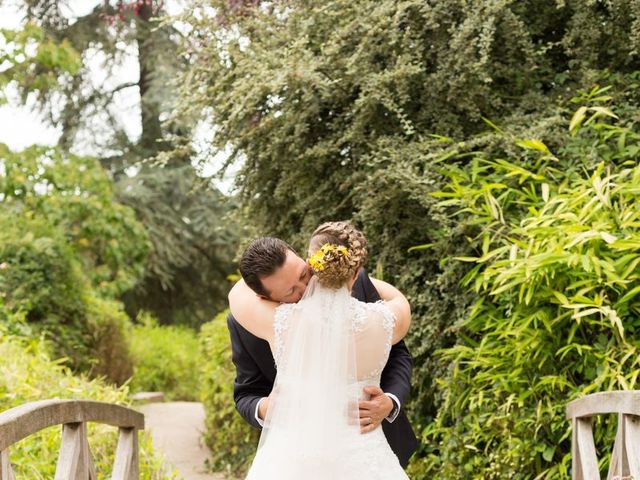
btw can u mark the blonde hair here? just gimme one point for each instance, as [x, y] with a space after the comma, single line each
[338, 268]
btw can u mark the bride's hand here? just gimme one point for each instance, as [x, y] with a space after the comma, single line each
[374, 410]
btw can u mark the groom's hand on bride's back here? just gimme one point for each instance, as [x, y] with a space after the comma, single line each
[374, 410]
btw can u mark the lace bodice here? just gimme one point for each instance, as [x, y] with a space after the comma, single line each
[372, 326]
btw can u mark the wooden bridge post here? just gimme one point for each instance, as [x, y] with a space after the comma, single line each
[6, 472]
[125, 465]
[75, 460]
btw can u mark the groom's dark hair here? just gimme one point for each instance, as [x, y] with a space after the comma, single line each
[262, 258]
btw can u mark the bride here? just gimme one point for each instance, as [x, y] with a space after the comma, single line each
[327, 347]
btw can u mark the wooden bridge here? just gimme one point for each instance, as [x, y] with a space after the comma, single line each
[74, 460]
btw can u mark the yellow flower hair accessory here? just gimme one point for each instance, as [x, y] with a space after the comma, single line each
[319, 259]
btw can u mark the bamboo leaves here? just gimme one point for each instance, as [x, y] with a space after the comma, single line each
[558, 288]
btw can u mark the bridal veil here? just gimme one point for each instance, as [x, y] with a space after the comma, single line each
[313, 411]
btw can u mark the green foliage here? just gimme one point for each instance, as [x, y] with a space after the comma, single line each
[165, 358]
[68, 249]
[41, 278]
[76, 195]
[109, 325]
[189, 235]
[322, 85]
[557, 246]
[34, 61]
[193, 241]
[232, 441]
[28, 374]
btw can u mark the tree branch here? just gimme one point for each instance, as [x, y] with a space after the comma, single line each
[122, 87]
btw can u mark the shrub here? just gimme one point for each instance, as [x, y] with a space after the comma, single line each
[232, 440]
[108, 326]
[41, 278]
[165, 358]
[350, 122]
[27, 374]
[75, 195]
[558, 311]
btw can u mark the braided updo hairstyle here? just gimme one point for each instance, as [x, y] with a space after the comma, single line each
[337, 266]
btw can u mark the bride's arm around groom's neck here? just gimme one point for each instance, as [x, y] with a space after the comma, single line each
[252, 312]
[398, 304]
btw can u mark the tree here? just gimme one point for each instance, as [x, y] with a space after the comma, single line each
[190, 259]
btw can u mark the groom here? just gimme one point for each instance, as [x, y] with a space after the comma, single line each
[272, 270]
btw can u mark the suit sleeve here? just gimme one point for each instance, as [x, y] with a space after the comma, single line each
[396, 376]
[250, 385]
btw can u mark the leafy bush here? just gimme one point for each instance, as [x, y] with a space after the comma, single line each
[41, 277]
[232, 440]
[557, 242]
[28, 374]
[75, 194]
[108, 326]
[68, 250]
[165, 358]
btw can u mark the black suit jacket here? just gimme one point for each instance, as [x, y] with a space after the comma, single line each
[256, 374]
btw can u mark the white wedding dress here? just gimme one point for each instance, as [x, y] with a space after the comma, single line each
[327, 348]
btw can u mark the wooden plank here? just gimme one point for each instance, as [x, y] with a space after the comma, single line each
[134, 474]
[6, 471]
[615, 466]
[586, 459]
[20, 422]
[72, 460]
[91, 467]
[632, 440]
[125, 465]
[576, 471]
[627, 402]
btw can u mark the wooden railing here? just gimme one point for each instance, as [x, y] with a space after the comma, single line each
[75, 460]
[625, 457]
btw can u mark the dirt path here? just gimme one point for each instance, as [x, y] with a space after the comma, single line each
[176, 429]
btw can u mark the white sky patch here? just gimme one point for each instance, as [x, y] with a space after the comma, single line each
[209, 162]
[22, 125]
[10, 15]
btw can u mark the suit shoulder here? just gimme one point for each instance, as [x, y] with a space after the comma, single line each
[363, 288]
